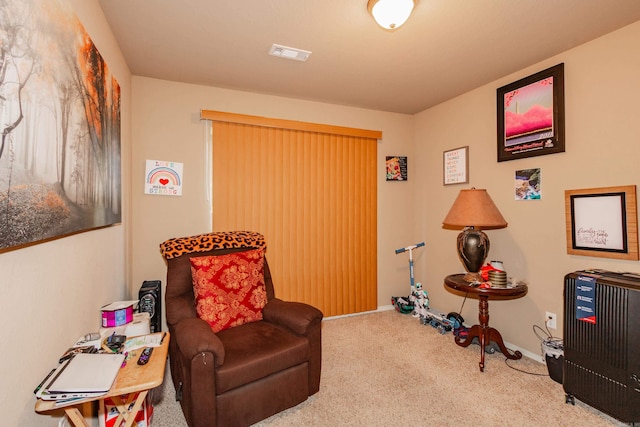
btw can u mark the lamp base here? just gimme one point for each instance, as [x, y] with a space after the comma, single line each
[473, 277]
[473, 247]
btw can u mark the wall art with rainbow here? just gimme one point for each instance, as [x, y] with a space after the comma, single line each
[163, 178]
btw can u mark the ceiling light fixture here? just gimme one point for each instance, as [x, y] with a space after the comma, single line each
[391, 14]
[289, 52]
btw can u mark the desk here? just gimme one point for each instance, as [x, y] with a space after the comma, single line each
[485, 333]
[131, 379]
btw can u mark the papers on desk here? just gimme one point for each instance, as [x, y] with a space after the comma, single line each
[152, 340]
[84, 375]
[83, 342]
[90, 374]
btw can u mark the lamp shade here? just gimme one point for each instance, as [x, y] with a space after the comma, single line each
[390, 14]
[474, 208]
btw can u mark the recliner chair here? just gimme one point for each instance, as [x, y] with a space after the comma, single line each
[246, 373]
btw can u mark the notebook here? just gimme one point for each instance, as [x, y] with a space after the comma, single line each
[84, 375]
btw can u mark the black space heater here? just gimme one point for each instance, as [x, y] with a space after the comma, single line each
[150, 296]
[602, 348]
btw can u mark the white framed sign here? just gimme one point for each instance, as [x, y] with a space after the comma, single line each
[456, 166]
[163, 178]
[602, 222]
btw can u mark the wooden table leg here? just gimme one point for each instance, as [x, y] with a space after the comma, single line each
[128, 416]
[76, 418]
[495, 336]
[483, 317]
[485, 334]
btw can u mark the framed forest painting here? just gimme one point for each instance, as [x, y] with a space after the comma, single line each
[60, 126]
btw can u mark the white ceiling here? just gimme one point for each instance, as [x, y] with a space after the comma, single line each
[446, 48]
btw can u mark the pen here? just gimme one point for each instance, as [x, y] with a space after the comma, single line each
[164, 334]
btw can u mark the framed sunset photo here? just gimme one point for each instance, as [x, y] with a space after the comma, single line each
[531, 115]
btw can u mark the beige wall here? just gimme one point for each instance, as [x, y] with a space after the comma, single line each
[52, 292]
[168, 128]
[602, 149]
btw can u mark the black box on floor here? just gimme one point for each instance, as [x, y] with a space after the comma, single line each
[554, 365]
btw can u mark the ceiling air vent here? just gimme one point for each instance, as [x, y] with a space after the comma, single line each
[289, 52]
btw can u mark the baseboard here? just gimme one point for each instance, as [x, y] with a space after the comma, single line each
[532, 356]
[512, 347]
[383, 308]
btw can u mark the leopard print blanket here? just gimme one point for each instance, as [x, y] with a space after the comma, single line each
[173, 248]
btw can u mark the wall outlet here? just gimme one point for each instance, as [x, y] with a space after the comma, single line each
[551, 320]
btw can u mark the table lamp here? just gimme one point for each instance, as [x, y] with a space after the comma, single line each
[473, 210]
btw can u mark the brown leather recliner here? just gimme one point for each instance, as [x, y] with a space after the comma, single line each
[247, 373]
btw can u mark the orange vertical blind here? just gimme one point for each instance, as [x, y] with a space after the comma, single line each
[312, 194]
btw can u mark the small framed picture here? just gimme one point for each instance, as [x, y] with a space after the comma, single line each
[602, 222]
[528, 184]
[396, 168]
[456, 166]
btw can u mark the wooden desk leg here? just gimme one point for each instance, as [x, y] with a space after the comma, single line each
[128, 416]
[76, 418]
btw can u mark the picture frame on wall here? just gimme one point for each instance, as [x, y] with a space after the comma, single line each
[396, 168]
[531, 115]
[528, 184]
[60, 161]
[456, 166]
[602, 222]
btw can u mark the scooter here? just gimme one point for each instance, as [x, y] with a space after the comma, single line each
[450, 322]
[410, 249]
[402, 304]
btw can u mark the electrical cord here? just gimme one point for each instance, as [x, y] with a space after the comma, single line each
[546, 330]
[463, 301]
[546, 339]
[549, 337]
[506, 362]
[546, 326]
[547, 333]
[549, 340]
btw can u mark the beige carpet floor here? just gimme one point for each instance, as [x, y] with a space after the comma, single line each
[385, 368]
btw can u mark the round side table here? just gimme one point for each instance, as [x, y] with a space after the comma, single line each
[483, 331]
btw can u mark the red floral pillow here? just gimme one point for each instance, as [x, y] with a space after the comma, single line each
[229, 289]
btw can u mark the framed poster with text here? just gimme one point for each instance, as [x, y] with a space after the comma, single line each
[602, 222]
[531, 115]
[456, 166]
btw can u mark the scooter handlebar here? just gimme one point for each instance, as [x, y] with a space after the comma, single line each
[408, 248]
